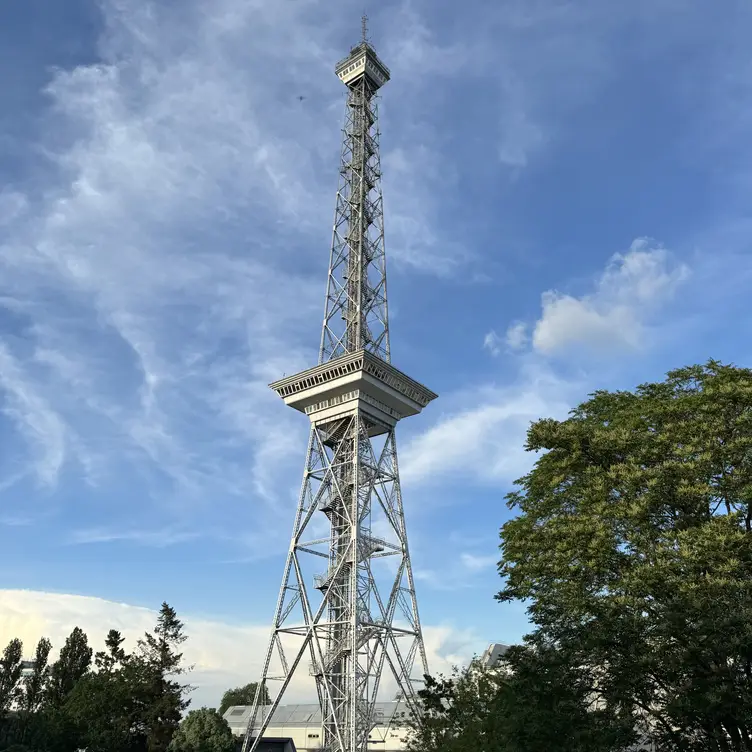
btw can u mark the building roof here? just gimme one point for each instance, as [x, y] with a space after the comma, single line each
[493, 653]
[269, 744]
[386, 713]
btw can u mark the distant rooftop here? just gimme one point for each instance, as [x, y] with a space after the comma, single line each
[386, 713]
[493, 653]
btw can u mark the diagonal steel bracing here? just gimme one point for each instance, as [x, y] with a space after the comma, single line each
[347, 601]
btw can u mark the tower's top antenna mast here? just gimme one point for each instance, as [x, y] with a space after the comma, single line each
[356, 306]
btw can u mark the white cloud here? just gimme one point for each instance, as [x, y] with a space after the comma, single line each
[160, 304]
[475, 563]
[152, 538]
[515, 338]
[491, 343]
[617, 314]
[12, 205]
[224, 655]
[483, 436]
[412, 46]
[520, 135]
[33, 417]
[457, 572]
[414, 171]
[171, 268]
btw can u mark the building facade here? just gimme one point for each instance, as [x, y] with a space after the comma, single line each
[303, 725]
[493, 654]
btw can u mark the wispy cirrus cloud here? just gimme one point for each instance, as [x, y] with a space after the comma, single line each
[152, 538]
[476, 563]
[34, 418]
[167, 271]
[170, 263]
[482, 433]
[462, 573]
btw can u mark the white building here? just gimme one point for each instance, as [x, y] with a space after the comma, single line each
[302, 724]
[493, 654]
[27, 668]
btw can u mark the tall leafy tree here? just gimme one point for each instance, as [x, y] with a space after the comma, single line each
[73, 663]
[51, 728]
[537, 703]
[10, 675]
[109, 707]
[34, 685]
[161, 664]
[243, 696]
[456, 712]
[31, 696]
[633, 547]
[203, 730]
[113, 656]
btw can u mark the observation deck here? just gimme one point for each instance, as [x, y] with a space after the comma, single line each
[362, 61]
[356, 382]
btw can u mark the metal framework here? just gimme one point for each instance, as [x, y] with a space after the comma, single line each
[348, 596]
[356, 289]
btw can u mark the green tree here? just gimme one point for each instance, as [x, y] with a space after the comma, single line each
[35, 683]
[160, 664]
[455, 712]
[51, 730]
[10, 675]
[633, 548]
[73, 663]
[535, 703]
[243, 696]
[110, 659]
[32, 692]
[203, 730]
[109, 707]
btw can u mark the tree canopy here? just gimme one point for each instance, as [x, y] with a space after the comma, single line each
[633, 546]
[632, 549]
[203, 730]
[74, 662]
[10, 673]
[537, 703]
[123, 703]
[243, 696]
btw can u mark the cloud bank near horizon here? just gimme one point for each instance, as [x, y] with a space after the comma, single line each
[224, 654]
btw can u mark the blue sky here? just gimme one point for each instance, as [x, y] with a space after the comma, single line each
[566, 189]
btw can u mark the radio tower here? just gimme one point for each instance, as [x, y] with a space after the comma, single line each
[354, 616]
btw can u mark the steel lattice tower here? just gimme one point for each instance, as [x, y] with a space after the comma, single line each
[358, 613]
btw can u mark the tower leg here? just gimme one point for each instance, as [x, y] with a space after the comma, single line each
[366, 615]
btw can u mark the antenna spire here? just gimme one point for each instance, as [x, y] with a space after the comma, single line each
[364, 27]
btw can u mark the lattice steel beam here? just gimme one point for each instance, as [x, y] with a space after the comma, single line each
[348, 594]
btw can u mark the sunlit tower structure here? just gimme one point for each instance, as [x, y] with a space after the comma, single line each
[354, 614]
